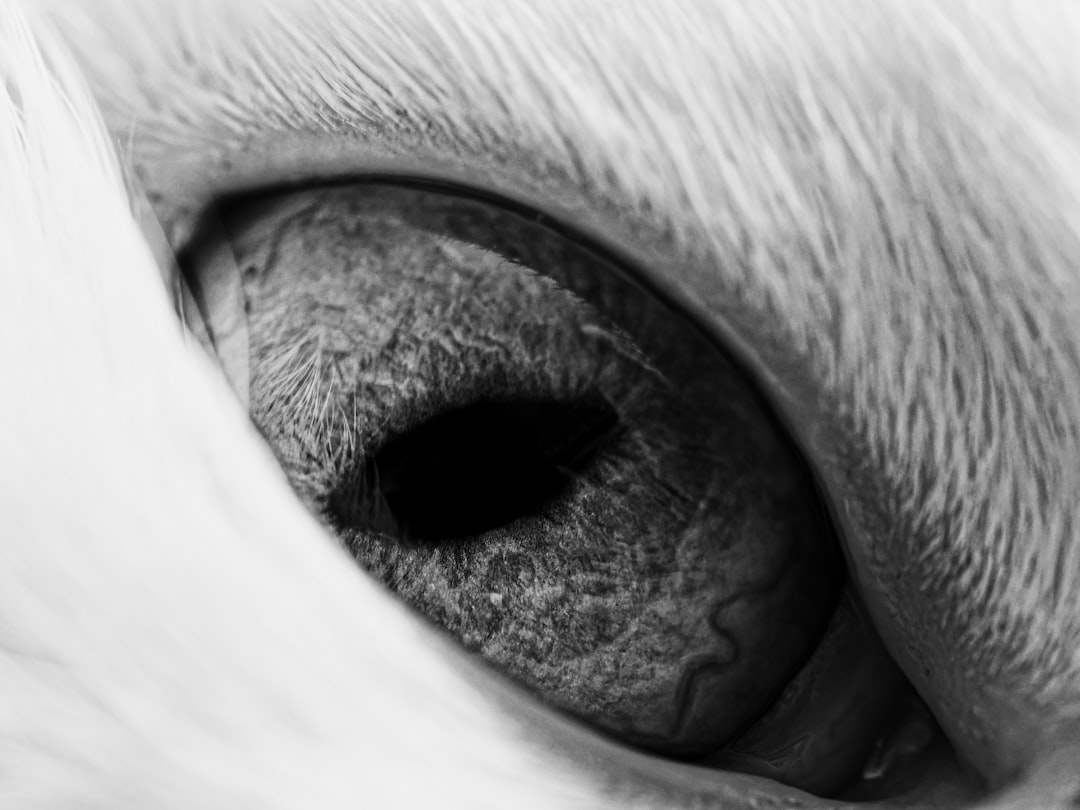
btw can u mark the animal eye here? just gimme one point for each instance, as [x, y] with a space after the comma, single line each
[527, 445]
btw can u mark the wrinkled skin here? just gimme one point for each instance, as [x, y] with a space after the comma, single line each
[874, 204]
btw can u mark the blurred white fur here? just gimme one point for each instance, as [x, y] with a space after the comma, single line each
[131, 674]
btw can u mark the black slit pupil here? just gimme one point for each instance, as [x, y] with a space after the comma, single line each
[473, 469]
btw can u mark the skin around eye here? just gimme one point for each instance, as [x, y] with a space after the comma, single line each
[668, 589]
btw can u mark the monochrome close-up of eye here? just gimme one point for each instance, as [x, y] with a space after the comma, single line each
[486, 403]
[555, 467]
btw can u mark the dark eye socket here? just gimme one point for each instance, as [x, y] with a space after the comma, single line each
[549, 463]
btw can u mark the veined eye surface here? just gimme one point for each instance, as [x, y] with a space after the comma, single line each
[547, 462]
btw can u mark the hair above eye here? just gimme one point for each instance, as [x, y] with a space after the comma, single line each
[544, 460]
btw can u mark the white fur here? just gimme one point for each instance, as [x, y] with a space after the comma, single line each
[879, 201]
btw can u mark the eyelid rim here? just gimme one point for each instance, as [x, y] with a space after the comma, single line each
[214, 306]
